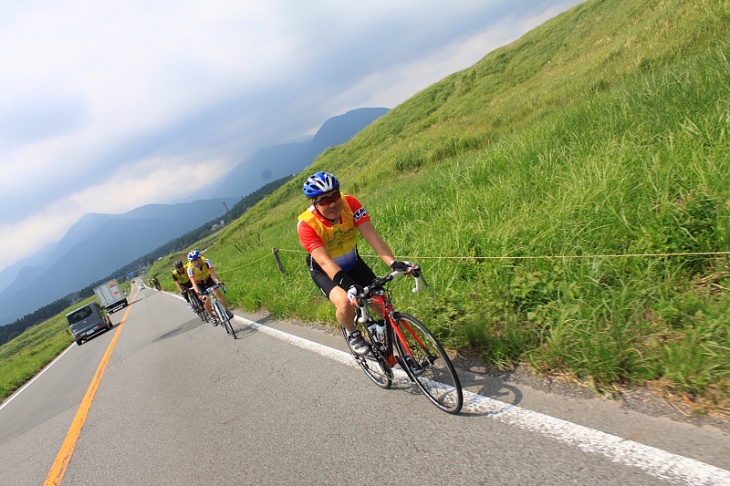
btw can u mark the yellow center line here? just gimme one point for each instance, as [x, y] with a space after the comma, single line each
[58, 470]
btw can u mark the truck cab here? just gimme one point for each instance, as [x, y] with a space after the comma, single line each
[87, 321]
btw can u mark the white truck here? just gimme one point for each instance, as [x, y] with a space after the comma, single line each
[112, 297]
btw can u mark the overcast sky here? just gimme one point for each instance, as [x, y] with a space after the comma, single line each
[107, 106]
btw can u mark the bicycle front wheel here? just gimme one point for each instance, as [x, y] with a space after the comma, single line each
[225, 320]
[426, 362]
[373, 364]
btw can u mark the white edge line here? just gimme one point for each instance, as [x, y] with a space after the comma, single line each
[656, 462]
[27, 384]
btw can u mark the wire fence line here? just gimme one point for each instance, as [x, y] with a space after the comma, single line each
[551, 257]
[715, 254]
[227, 270]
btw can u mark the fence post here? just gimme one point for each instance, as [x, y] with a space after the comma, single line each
[278, 260]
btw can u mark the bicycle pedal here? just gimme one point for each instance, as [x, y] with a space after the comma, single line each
[414, 366]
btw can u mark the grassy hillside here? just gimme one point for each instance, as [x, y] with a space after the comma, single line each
[567, 197]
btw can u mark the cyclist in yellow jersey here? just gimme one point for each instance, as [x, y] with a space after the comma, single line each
[203, 276]
[182, 280]
[329, 231]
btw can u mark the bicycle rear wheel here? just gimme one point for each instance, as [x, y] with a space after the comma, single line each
[224, 319]
[373, 364]
[198, 307]
[433, 371]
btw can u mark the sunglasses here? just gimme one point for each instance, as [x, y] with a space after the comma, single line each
[327, 200]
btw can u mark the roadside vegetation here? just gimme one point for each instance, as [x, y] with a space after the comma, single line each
[568, 197]
[22, 357]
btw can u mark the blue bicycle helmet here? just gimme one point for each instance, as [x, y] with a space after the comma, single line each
[193, 255]
[320, 183]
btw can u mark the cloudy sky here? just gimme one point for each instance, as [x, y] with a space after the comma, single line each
[107, 106]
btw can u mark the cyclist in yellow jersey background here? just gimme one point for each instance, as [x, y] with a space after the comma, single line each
[203, 276]
[182, 280]
[329, 231]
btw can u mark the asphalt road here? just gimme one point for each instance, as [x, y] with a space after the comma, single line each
[179, 402]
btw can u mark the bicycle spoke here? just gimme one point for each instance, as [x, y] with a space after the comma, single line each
[224, 319]
[432, 369]
[229, 323]
[198, 307]
[374, 365]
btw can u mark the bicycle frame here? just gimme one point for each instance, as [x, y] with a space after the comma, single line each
[418, 352]
[219, 311]
[390, 315]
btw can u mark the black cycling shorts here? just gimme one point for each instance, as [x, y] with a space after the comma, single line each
[360, 273]
[206, 284]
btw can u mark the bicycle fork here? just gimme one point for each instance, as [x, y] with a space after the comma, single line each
[416, 367]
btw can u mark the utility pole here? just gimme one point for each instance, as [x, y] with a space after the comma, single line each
[228, 213]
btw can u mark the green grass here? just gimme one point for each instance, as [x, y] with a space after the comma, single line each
[22, 357]
[561, 195]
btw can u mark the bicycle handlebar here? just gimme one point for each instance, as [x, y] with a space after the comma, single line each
[378, 283]
[213, 287]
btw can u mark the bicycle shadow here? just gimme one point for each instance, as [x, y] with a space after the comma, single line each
[478, 382]
[246, 329]
[242, 329]
[495, 387]
[187, 326]
[486, 393]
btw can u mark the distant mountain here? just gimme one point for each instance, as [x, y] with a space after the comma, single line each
[99, 244]
[279, 161]
[340, 129]
[264, 166]
[38, 259]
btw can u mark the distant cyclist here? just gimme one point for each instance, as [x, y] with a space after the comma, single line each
[328, 230]
[182, 280]
[203, 276]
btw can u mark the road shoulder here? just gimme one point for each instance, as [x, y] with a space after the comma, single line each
[641, 415]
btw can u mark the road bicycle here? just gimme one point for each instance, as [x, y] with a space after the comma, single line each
[219, 312]
[197, 305]
[398, 338]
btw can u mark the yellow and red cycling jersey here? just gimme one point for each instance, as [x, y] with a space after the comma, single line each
[340, 239]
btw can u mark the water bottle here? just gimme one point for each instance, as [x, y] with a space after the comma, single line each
[373, 328]
[362, 316]
[380, 331]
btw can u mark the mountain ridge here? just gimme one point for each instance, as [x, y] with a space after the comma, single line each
[278, 161]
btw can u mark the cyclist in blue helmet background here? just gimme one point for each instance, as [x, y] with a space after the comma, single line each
[203, 276]
[329, 230]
